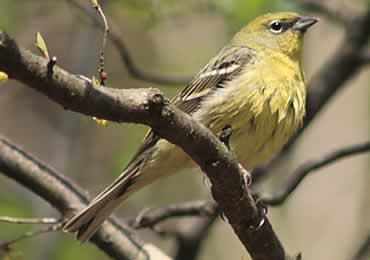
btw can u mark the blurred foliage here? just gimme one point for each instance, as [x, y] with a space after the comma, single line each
[236, 12]
[7, 7]
[69, 249]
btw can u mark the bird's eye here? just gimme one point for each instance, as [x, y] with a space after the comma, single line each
[276, 27]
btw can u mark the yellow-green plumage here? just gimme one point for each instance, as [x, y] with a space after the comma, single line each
[255, 85]
[267, 104]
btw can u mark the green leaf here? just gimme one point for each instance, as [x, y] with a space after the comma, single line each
[41, 46]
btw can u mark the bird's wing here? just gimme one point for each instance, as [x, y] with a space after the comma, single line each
[224, 67]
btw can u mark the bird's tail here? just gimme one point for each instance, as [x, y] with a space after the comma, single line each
[87, 222]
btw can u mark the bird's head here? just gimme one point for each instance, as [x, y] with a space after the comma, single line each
[282, 32]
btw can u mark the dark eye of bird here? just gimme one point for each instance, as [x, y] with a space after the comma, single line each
[276, 27]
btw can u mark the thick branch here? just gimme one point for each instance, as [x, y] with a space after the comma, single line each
[310, 167]
[114, 238]
[150, 108]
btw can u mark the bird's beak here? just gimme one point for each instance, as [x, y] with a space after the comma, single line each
[304, 22]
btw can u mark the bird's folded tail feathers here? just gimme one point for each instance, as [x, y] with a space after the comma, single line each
[87, 222]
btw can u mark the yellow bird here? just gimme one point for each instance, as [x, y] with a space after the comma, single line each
[255, 84]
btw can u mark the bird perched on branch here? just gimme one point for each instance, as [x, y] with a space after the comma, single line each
[255, 84]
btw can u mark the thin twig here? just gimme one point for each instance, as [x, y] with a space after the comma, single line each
[194, 221]
[151, 217]
[307, 168]
[102, 73]
[189, 233]
[119, 43]
[52, 228]
[29, 220]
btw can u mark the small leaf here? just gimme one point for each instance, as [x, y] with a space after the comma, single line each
[3, 77]
[40, 44]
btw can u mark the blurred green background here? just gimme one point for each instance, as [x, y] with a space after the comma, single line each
[325, 219]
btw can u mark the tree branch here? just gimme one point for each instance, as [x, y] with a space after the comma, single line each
[148, 106]
[52, 228]
[151, 217]
[113, 238]
[29, 220]
[307, 168]
[190, 232]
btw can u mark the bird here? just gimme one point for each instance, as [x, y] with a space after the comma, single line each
[255, 84]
